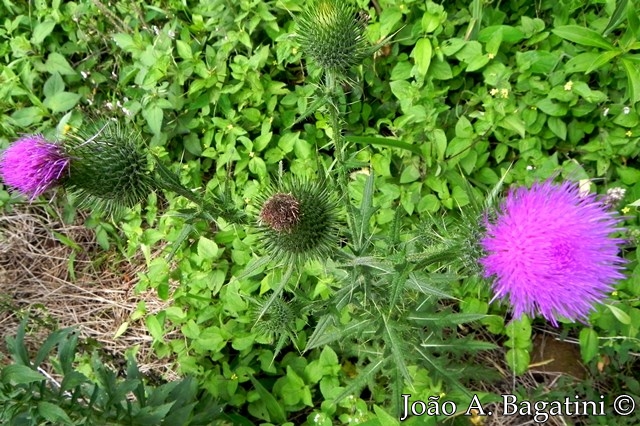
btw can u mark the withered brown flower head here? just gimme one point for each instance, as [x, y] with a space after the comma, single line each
[281, 212]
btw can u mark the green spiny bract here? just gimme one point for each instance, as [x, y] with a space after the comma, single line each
[109, 167]
[278, 319]
[331, 32]
[298, 221]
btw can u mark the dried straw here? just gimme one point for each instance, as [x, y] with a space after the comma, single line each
[37, 276]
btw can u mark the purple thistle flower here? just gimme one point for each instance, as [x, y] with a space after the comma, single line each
[32, 165]
[550, 251]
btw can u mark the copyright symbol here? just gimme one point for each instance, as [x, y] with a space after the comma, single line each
[624, 405]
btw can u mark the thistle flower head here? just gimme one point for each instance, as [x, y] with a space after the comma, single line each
[331, 32]
[109, 167]
[298, 220]
[551, 252]
[281, 212]
[32, 165]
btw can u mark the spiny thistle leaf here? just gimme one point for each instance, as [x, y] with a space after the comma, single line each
[298, 221]
[331, 33]
[109, 167]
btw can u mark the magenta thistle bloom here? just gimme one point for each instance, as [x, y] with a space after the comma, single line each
[551, 252]
[32, 165]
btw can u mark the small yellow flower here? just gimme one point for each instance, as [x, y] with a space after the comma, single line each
[629, 133]
[491, 55]
[247, 200]
[494, 91]
[504, 93]
[66, 129]
[568, 85]
[252, 154]
[625, 210]
[294, 50]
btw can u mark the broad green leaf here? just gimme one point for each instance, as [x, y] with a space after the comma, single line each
[633, 78]
[53, 413]
[56, 63]
[19, 374]
[558, 127]
[62, 101]
[621, 315]
[513, 122]
[549, 107]
[588, 344]
[385, 418]
[617, 16]
[506, 33]
[153, 114]
[582, 62]
[42, 30]
[25, 117]
[184, 50]
[154, 327]
[603, 59]
[422, 54]
[207, 249]
[276, 412]
[583, 36]
[518, 360]
[411, 173]
[124, 41]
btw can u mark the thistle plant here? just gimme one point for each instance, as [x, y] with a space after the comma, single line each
[381, 291]
[332, 34]
[106, 166]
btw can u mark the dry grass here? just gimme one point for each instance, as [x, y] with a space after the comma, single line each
[555, 366]
[37, 276]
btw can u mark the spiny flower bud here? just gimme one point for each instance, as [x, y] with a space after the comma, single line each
[279, 318]
[298, 221]
[109, 167]
[332, 34]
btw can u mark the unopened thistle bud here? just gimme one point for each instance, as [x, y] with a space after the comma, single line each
[298, 221]
[109, 167]
[279, 318]
[331, 32]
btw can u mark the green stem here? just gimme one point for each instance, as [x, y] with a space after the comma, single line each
[331, 82]
[278, 290]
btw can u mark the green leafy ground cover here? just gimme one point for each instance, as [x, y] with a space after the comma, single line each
[463, 97]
